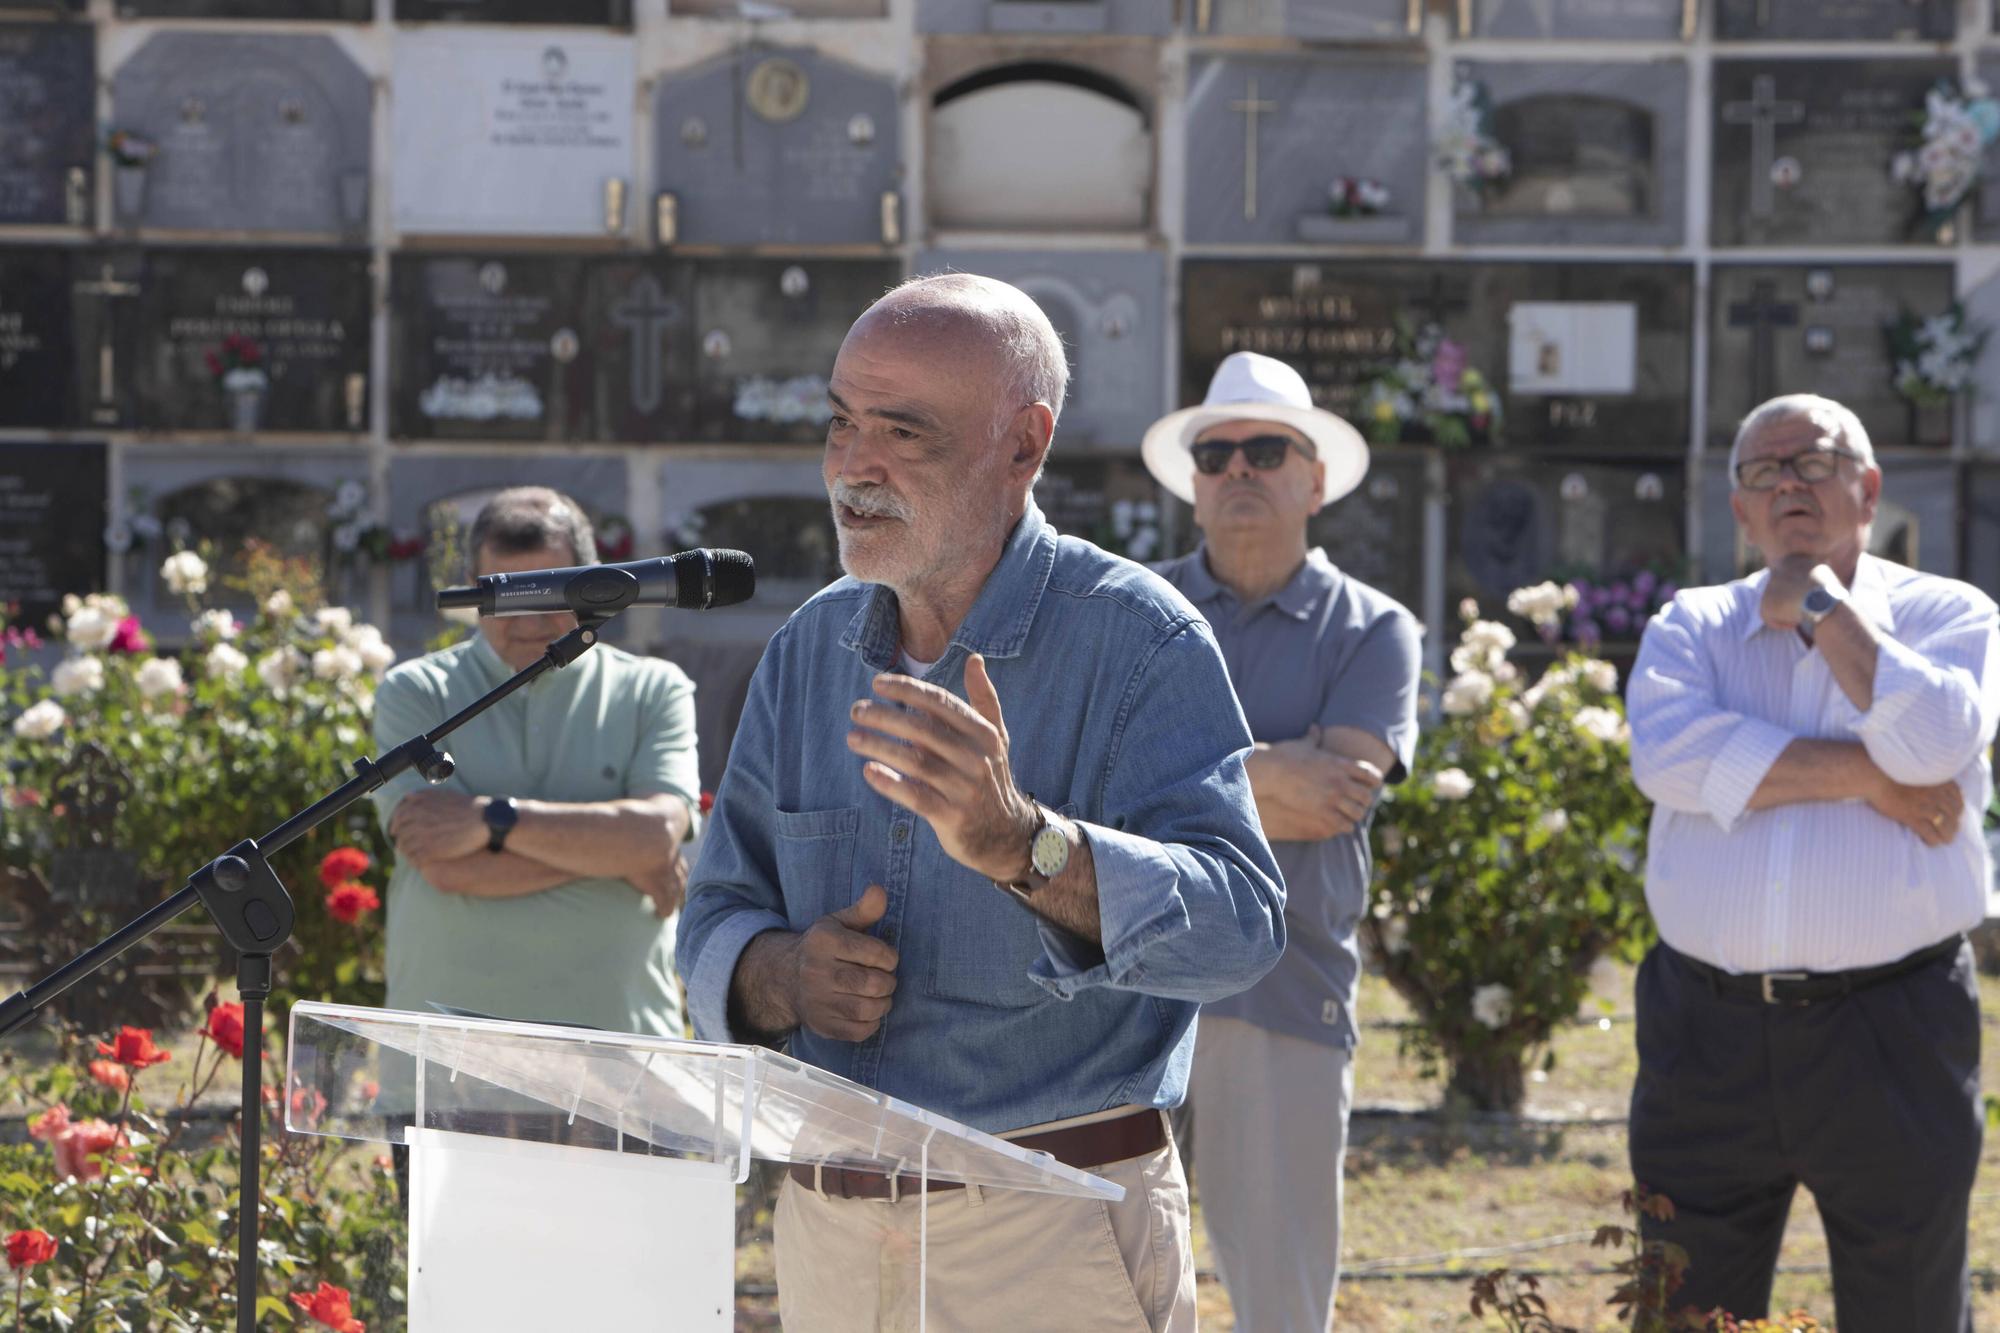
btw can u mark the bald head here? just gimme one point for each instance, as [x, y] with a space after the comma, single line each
[985, 323]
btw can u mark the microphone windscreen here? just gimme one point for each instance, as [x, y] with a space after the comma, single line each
[735, 578]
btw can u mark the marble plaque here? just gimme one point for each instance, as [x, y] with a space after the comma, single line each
[1343, 326]
[1514, 521]
[1599, 155]
[1067, 18]
[1106, 305]
[1982, 307]
[1803, 150]
[39, 337]
[229, 495]
[1311, 20]
[488, 347]
[51, 525]
[513, 132]
[436, 498]
[255, 132]
[48, 120]
[1040, 145]
[338, 11]
[234, 340]
[1583, 20]
[778, 146]
[1777, 329]
[611, 13]
[1835, 20]
[1916, 522]
[1266, 137]
[763, 339]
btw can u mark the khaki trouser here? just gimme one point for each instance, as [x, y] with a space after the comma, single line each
[999, 1259]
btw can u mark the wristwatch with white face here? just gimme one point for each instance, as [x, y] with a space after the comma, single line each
[1819, 604]
[1048, 857]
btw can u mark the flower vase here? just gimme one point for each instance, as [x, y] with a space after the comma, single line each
[246, 407]
[128, 188]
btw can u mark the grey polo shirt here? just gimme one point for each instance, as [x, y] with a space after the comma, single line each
[1331, 650]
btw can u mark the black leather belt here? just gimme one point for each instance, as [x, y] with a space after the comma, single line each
[1795, 988]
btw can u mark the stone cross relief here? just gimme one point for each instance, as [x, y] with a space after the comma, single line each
[647, 313]
[1251, 108]
[1763, 314]
[109, 287]
[1763, 113]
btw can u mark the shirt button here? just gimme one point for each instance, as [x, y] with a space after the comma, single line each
[899, 834]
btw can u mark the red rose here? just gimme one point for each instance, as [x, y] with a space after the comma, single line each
[214, 363]
[707, 801]
[110, 1074]
[225, 1027]
[130, 638]
[79, 1143]
[330, 1306]
[349, 902]
[343, 864]
[51, 1124]
[134, 1049]
[25, 1249]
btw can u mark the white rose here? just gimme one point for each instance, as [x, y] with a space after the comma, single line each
[40, 722]
[1492, 1005]
[278, 605]
[377, 657]
[186, 574]
[1395, 935]
[214, 625]
[77, 675]
[1468, 610]
[71, 604]
[91, 628]
[1467, 693]
[335, 620]
[1452, 785]
[1600, 724]
[1554, 822]
[1488, 634]
[279, 670]
[224, 661]
[160, 675]
[336, 663]
[1517, 717]
[1506, 673]
[1601, 676]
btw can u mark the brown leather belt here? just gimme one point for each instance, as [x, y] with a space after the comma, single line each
[1082, 1146]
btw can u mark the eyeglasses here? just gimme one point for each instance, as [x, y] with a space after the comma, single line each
[1811, 467]
[1263, 452]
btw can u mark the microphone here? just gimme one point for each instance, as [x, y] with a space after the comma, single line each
[692, 581]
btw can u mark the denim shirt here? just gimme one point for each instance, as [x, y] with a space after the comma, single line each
[1120, 715]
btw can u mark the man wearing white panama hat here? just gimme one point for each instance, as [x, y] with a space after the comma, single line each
[1326, 670]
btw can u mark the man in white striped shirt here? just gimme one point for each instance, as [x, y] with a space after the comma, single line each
[1815, 739]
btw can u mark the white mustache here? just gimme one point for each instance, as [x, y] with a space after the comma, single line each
[874, 501]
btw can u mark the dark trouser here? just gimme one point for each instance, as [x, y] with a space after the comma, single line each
[1871, 1100]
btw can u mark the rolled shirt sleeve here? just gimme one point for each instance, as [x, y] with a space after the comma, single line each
[1935, 702]
[1190, 900]
[1689, 753]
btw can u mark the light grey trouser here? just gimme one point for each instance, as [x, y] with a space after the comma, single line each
[1270, 1136]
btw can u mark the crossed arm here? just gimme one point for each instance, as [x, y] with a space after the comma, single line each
[636, 839]
[1319, 785]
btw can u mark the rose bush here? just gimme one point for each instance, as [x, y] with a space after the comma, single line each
[246, 724]
[126, 1219]
[1510, 861]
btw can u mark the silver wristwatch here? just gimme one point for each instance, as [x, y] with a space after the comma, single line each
[1048, 857]
[1819, 604]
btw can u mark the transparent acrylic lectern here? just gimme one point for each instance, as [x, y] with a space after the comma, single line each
[570, 1178]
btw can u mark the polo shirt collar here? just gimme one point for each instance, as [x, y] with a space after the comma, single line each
[996, 626]
[1298, 598]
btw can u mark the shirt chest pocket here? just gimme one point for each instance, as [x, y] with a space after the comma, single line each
[816, 861]
[982, 942]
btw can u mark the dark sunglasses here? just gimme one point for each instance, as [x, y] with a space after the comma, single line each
[1263, 452]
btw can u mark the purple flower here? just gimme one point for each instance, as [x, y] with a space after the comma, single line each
[1586, 631]
[1618, 618]
[1448, 365]
[1644, 581]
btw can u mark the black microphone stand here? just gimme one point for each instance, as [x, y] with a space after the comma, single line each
[254, 913]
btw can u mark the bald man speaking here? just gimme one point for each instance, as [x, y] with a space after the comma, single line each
[985, 842]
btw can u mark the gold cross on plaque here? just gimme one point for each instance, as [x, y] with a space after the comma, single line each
[1251, 109]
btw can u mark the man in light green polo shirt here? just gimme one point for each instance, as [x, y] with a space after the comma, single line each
[544, 879]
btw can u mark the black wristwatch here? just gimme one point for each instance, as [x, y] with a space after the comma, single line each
[501, 815]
